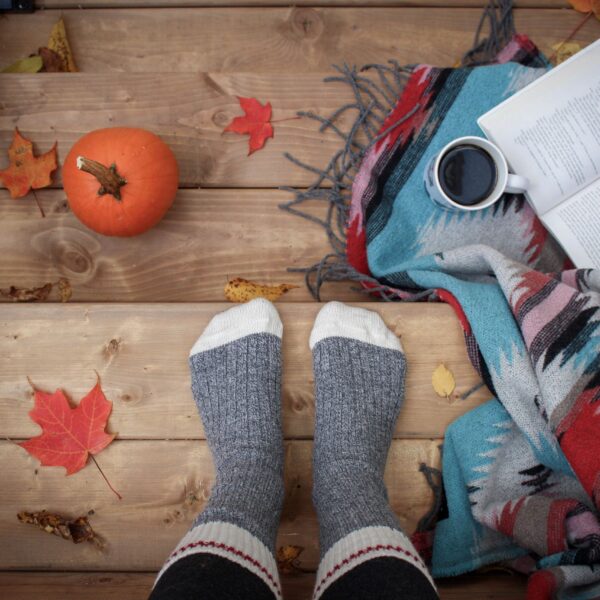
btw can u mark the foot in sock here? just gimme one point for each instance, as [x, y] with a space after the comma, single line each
[359, 369]
[236, 372]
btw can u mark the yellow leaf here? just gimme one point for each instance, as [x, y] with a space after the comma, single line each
[286, 555]
[242, 290]
[64, 289]
[443, 381]
[59, 43]
[564, 50]
[31, 64]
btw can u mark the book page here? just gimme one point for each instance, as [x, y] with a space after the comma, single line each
[576, 224]
[550, 130]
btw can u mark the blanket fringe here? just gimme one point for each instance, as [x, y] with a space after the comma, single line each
[376, 89]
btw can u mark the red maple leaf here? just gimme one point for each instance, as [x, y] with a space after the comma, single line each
[70, 435]
[256, 122]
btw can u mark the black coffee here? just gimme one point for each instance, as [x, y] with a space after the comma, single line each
[467, 174]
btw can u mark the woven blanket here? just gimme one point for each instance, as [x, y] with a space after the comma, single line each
[521, 473]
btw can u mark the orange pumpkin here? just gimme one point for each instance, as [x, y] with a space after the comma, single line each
[120, 181]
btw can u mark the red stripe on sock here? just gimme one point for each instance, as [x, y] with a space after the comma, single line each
[364, 551]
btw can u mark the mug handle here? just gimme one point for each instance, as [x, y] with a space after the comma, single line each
[515, 184]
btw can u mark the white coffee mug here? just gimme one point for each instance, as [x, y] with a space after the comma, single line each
[505, 182]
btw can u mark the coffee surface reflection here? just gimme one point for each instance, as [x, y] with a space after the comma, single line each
[467, 174]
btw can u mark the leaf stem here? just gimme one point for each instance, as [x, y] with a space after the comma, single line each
[105, 479]
[38, 203]
[287, 119]
[585, 19]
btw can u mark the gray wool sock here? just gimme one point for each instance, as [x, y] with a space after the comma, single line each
[236, 378]
[359, 369]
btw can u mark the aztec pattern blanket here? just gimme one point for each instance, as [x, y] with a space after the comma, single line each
[521, 473]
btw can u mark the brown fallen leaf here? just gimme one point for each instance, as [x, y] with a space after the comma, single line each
[52, 62]
[242, 290]
[286, 557]
[443, 381]
[59, 44]
[76, 530]
[38, 294]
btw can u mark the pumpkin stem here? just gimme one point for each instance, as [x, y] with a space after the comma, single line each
[109, 179]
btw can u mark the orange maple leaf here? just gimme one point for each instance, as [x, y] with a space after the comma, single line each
[27, 171]
[256, 122]
[69, 435]
[586, 6]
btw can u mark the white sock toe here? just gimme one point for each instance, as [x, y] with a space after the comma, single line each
[340, 320]
[257, 316]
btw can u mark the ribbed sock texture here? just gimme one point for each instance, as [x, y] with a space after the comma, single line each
[359, 391]
[236, 387]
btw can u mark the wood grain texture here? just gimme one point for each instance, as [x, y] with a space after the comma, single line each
[189, 111]
[164, 485]
[206, 238]
[136, 586]
[286, 39]
[140, 352]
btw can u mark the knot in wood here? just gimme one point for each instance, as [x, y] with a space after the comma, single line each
[306, 23]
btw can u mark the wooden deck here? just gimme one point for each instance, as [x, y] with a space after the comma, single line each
[177, 71]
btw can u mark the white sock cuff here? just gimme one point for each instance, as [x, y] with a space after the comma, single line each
[233, 543]
[257, 316]
[361, 546]
[340, 320]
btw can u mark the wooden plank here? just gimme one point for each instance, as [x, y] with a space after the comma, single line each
[136, 586]
[189, 111]
[140, 351]
[164, 485]
[208, 237]
[285, 39]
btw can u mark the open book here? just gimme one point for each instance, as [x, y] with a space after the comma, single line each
[549, 132]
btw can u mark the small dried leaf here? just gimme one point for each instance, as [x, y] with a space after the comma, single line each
[59, 43]
[242, 290]
[36, 294]
[64, 289]
[53, 63]
[564, 50]
[443, 381]
[76, 530]
[286, 557]
[31, 64]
